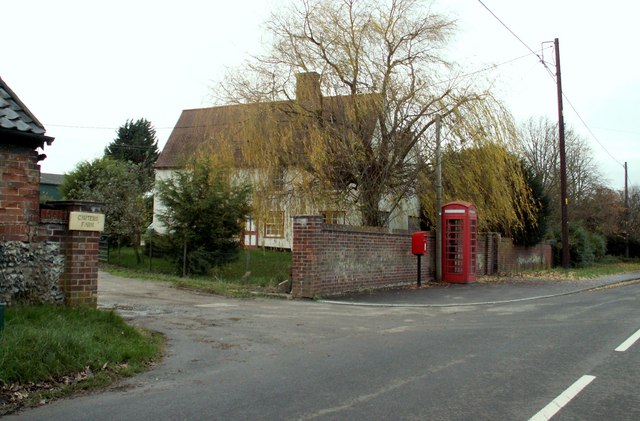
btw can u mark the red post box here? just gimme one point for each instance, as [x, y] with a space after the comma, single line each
[419, 248]
[459, 242]
[419, 243]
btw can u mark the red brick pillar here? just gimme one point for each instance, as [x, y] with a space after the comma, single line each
[19, 193]
[80, 248]
[307, 232]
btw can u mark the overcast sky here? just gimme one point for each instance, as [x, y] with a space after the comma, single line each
[83, 68]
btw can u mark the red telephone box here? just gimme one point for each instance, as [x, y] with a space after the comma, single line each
[459, 242]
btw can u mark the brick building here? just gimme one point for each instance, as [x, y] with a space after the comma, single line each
[21, 135]
[41, 258]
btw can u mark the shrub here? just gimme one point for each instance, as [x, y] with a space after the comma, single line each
[204, 214]
[585, 247]
[616, 244]
[598, 245]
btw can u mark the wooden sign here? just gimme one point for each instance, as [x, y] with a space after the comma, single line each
[86, 221]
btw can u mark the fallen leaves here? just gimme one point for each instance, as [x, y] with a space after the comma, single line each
[16, 395]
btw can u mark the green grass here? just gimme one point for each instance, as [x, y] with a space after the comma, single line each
[263, 267]
[126, 258]
[47, 349]
[610, 266]
[260, 270]
[255, 271]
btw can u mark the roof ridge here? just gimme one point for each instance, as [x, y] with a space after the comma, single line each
[239, 105]
[198, 128]
[279, 101]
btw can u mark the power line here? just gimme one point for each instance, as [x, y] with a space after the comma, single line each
[131, 147]
[485, 69]
[462, 76]
[589, 130]
[584, 123]
[512, 33]
[606, 129]
[69, 126]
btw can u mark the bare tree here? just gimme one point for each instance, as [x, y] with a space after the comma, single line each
[539, 141]
[539, 138]
[383, 71]
[602, 212]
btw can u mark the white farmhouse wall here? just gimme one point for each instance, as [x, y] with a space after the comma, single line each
[398, 219]
[158, 206]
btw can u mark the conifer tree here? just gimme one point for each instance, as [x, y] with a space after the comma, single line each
[136, 142]
[204, 211]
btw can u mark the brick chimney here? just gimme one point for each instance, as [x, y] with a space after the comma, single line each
[308, 93]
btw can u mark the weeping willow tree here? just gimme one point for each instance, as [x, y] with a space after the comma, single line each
[482, 164]
[489, 177]
[357, 125]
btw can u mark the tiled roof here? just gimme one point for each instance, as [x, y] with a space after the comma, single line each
[208, 129]
[198, 127]
[201, 128]
[14, 115]
[55, 179]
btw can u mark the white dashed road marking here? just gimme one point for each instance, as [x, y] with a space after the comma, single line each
[627, 344]
[564, 398]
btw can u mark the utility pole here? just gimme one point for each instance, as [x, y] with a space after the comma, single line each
[626, 212]
[438, 201]
[563, 164]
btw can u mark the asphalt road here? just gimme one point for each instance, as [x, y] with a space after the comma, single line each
[277, 360]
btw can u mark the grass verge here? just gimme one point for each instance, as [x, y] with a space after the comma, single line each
[255, 271]
[589, 272]
[48, 352]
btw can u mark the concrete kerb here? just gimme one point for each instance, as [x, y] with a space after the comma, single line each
[603, 285]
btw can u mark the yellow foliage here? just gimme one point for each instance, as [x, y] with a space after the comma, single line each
[488, 176]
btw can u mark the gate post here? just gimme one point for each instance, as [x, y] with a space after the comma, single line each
[307, 231]
[79, 231]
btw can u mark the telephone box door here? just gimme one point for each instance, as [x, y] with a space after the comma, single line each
[459, 241]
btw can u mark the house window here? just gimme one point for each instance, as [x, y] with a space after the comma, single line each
[278, 179]
[274, 225]
[334, 217]
[413, 223]
[384, 218]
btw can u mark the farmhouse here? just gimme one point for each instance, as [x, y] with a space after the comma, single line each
[245, 132]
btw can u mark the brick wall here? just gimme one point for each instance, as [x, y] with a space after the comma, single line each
[331, 259]
[22, 220]
[514, 259]
[19, 193]
[487, 261]
[79, 280]
[53, 224]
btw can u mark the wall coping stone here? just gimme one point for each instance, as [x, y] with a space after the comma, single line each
[83, 205]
